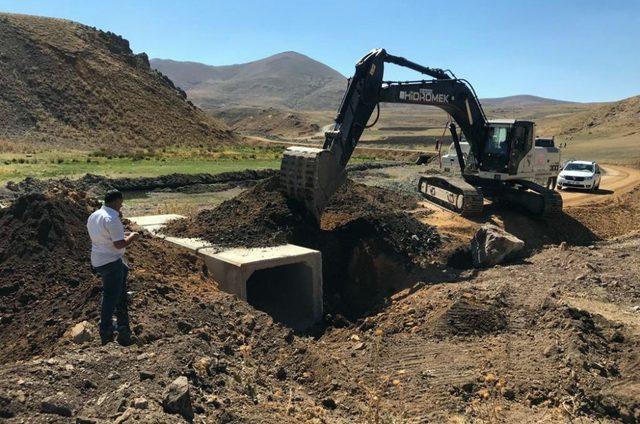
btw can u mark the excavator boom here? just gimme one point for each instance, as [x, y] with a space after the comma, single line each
[312, 175]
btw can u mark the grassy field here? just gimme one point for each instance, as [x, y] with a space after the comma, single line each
[73, 164]
[56, 164]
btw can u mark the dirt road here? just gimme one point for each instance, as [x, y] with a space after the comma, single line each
[617, 180]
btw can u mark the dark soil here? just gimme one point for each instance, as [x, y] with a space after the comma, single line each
[369, 244]
[98, 184]
[47, 286]
[263, 216]
[552, 339]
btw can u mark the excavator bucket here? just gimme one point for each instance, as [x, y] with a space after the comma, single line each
[310, 176]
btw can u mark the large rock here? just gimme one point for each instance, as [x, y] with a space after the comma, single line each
[491, 245]
[177, 399]
[80, 333]
[56, 406]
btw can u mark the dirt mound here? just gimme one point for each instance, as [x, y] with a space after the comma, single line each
[368, 242]
[263, 216]
[468, 315]
[64, 83]
[99, 184]
[611, 219]
[44, 263]
[47, 285]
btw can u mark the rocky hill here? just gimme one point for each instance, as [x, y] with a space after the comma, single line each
[286, 80]
[620, 119]
[66, 84]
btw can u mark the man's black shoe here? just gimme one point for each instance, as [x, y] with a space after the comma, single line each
[124, 338]
[106, 338]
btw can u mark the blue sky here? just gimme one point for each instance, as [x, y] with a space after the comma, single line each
[566, 49]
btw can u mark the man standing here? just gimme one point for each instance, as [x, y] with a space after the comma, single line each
[108, 243]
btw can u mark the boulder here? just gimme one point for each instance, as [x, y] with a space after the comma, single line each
[492, 245]
[80, 333]
[177, 399]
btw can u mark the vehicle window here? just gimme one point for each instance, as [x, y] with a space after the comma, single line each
[579, 167]
[544, 142]
[497, 140]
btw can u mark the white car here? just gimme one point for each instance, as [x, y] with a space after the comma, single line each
[581, 175]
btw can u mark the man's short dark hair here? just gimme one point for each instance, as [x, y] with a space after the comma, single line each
[112, 195]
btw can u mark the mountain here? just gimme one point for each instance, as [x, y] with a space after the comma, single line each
[286, 80]
[521, 100]
[66, 84]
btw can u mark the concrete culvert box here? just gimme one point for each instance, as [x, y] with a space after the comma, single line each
[283, 281]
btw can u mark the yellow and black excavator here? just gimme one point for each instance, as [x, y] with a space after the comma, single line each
[499, 166]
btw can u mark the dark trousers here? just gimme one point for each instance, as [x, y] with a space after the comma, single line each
[114, 296]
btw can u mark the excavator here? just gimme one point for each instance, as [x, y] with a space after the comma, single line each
[499, 166]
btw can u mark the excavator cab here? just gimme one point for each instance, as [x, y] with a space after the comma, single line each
[507, 142]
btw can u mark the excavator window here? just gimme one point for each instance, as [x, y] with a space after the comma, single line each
[497, 141]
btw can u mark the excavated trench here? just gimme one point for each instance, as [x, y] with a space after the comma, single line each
[370, 245]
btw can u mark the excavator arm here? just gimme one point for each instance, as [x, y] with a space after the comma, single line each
[312, 175]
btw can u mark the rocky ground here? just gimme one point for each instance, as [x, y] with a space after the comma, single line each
[550, 337]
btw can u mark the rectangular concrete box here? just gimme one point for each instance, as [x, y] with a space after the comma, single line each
[193, 244]
[284, 281]
[148, 220]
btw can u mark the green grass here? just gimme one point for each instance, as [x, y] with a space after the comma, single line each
[73, 164]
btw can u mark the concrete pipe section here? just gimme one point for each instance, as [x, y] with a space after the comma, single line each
[283, 281]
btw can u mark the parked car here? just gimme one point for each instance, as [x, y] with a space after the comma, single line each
[580, 175]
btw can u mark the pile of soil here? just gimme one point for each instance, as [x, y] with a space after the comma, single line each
[47, 285]
[44, 263]
[370, 244]
[98, 185]
[264, 216]
[611, 219]
[514, 343]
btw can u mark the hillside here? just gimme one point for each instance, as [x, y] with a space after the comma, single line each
[521, 100]
[268, 121]
[66, 84]
[286, 80]
[621, 118]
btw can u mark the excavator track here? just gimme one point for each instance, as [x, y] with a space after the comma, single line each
[533, 198]
[452, 193]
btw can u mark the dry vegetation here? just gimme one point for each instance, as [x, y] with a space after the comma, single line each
[84, 88]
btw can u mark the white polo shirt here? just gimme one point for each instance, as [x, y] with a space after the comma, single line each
[105, 227]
